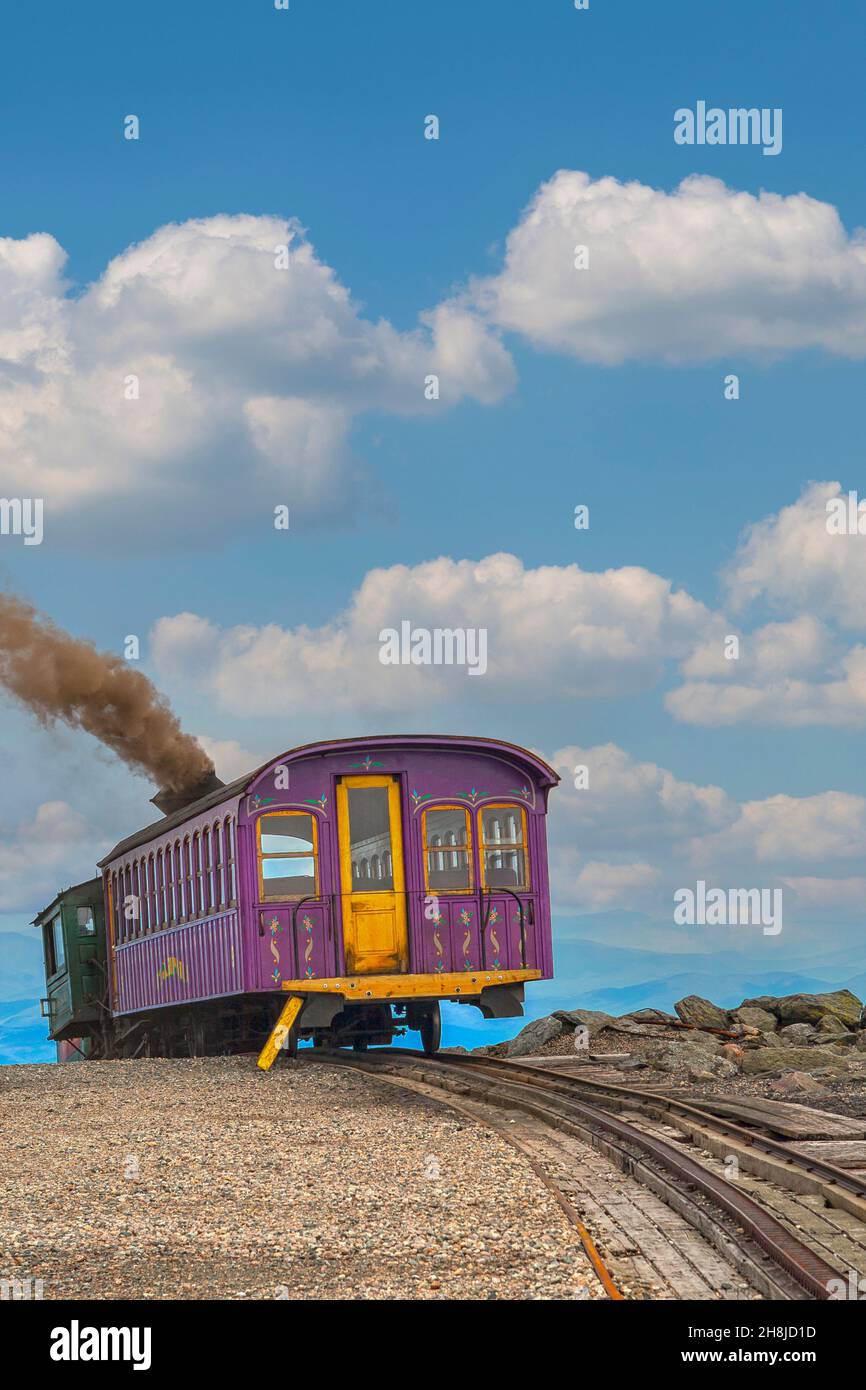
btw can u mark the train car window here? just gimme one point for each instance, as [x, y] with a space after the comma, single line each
[116, 912]
[176, 883]
[143, 923]
[86, 921]
[370, 838]
[219, 887]
[198, 899]
[170, 886]
[187, 879]
[447, 850]
[152, 890]
[164, 881]
[54, 952]
[210, 897]
[504, 856]
[230, 858]
[287, 852]
[128, 926]
[130, 910]
[159, 914]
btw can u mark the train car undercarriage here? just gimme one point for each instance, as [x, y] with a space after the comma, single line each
[226, 1028]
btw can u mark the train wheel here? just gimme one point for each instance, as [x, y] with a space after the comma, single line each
[431, 1029]
[359, 1045]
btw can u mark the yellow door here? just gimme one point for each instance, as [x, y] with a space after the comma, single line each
[373, 879]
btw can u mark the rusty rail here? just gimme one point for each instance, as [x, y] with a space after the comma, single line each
[514, 1084]
[639, 1098]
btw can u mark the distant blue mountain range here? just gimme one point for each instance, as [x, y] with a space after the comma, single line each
[23, 1034]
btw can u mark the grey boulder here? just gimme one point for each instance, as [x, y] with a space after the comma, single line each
[701, 1013]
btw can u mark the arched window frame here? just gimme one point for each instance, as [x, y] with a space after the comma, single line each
[144, 903]
[151, 891]
[264, 896]
[219, 898]
[506, 846]
[207, 869]
[231, 858]
[129, 924]
[435, 844]
[198, 895]
[178, 882]
[187, 878]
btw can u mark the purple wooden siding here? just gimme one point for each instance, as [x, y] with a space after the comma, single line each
[453, 941]
[198, 961]
[305, 952]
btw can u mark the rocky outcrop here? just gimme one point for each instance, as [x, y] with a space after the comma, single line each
[796, 1083]
[701, 1013]
[754, 1017]
[695, 1050]
[829, 1024]
[533, 1037]
[650, 1016]
[810, 1008]
[593, 1019]
[761, 1059]
[797, 1033]
[788, 1036]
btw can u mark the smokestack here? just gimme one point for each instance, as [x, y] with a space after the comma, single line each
[62, 677]
[168, 801]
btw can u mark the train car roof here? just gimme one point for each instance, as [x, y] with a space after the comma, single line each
[230, 790]
[64, 892]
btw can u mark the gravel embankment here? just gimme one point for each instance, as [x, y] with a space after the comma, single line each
[207, 1179]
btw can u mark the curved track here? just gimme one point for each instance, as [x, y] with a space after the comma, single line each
[770, 1255]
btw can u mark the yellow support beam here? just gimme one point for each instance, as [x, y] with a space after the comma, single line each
[281, 1029]
[456, 985]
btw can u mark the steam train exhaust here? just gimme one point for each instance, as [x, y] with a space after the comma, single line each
[57, 676]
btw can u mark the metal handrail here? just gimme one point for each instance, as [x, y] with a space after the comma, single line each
[512, 894]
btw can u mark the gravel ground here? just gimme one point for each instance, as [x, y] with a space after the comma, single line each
[207, 1179]
[843, 1093]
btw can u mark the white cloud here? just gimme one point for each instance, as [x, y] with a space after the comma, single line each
[699, 273]
[229, 757]
[798, 672]
[628, 803]
[839, 700]
[636, 833]
[250, 377]
[553, 632]
[598, 886]
[39, 856]
[785, 830]
[792, 562]
[828, 896]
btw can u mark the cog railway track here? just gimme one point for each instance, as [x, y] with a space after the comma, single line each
[751, 1229]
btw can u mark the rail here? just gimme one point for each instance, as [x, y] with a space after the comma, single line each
[558, 1101]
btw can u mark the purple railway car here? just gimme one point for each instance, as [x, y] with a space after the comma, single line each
[338, 892]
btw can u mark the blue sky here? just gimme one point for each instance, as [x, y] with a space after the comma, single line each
[316, 114]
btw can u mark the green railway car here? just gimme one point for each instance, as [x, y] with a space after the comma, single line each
[73, 942]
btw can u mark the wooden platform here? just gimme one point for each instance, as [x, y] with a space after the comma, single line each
[844, 1153]
[782, 1117]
